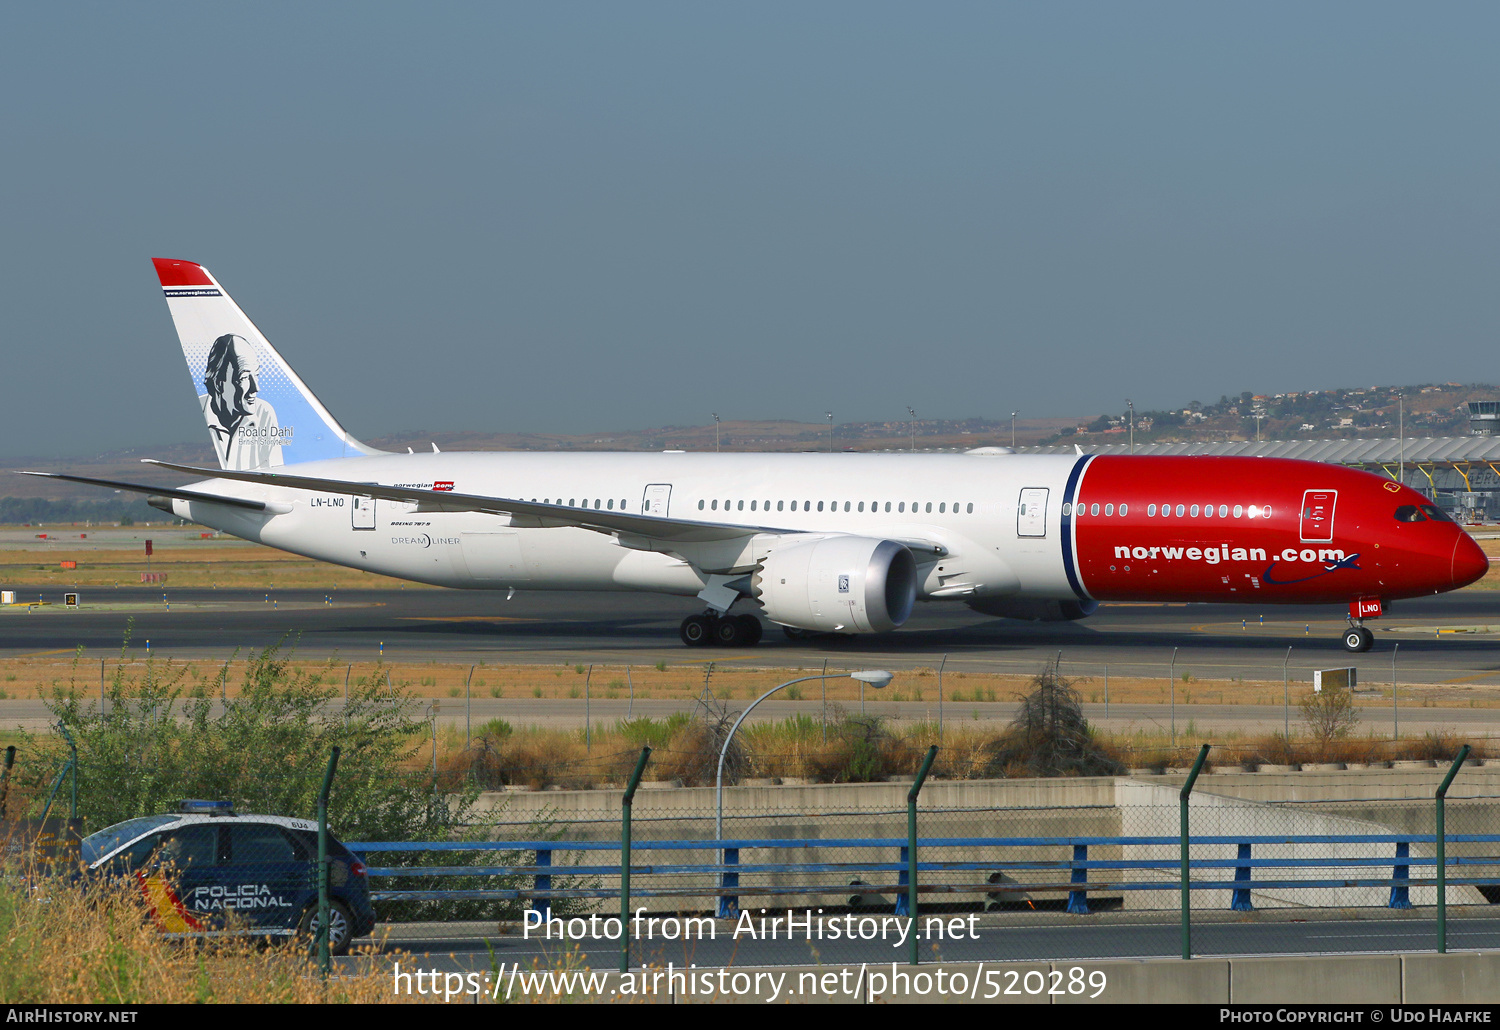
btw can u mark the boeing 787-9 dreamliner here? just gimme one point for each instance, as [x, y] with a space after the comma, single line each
[816, 543]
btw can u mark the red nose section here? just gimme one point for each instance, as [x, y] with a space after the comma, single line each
[1469, 562]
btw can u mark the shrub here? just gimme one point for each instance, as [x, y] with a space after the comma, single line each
[1049, 735]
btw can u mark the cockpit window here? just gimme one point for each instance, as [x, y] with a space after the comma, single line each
[1435, 513]
[1409, 513]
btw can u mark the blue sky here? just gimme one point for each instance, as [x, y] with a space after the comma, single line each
[575, 217]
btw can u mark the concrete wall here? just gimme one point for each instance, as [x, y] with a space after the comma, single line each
[1324, 980]
[1151, 809]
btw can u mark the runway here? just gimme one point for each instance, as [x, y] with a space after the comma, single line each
[1453, 639]
[1442, 638]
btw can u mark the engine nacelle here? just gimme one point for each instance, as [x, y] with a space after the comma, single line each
[1035, 609]
[838, 584]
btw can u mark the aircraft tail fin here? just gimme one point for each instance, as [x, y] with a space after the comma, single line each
[259, 411]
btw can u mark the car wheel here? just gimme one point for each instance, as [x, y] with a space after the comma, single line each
[340, 927]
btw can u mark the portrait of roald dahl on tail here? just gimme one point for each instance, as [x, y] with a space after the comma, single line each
[246, 433]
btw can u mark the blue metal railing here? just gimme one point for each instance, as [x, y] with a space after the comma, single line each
[1077, 885]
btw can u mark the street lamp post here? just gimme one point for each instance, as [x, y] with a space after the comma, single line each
[877, 678]
[1131, 405]
[829, 416]
[1013, 415]
[913, 413]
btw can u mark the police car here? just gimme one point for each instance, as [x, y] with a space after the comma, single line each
[203, 863]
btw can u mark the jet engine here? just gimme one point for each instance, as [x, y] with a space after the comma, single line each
[838, 584]
[1035, 609]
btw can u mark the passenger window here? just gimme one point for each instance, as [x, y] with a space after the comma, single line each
[887, 505]
[716, 504]
[1151, 511]
[1109, 509]
[196, 846]
[861, 505]
[752, 505]
[807, 506]
[1238, 510]
[741, 506]
[700, 505]
[1067, 509]
[1223, 511]
[1123, 509]
[1094, 509]
[1194, 512]
[611, 504]
[901, 507]
[929, 507]
[1180, 510]
[1265, 512]
[971, 508]
[571, 503]
[820, 505]
[779, 505]
[251, 844]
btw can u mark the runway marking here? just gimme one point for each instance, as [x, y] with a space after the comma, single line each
[471, 618]
[1477, 676]
[38, 654]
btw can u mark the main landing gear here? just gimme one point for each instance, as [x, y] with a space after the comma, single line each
[711, 628]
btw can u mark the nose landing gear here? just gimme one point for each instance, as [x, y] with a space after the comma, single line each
[1358, 639]
[711, 628]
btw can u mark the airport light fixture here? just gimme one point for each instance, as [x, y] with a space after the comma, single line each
[1013, 415]
[829, 416]
[1130, 404]
[716, 431]
[913, 413]
[876, 678]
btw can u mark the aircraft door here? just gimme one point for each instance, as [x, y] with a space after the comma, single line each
[363, 512]
[657, 500]
[1031, 512]
[1317, 515]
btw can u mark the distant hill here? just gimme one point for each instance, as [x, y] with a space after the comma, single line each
[1431, 410]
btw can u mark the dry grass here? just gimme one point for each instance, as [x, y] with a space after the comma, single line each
[250, 566]
[96, 945]
[39, 676]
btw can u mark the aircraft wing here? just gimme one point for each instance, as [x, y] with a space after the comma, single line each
[649, 526]
[159, 491]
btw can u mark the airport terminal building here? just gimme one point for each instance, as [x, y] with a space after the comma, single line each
[1460, 473]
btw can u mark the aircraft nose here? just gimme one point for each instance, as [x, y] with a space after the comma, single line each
[1469, 562]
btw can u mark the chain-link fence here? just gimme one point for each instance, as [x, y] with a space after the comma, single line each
[777, 842]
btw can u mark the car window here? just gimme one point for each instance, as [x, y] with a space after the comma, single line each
[188, 847]
[261, 843]
[97, 845]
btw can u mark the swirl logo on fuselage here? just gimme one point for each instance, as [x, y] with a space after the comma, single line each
[1351, 562]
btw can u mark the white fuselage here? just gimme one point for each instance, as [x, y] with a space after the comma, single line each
[968, 504]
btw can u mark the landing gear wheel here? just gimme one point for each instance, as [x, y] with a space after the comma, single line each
[1358, 639]
[750, 630]
[729, 633]
[1369, 635]
[696, 631]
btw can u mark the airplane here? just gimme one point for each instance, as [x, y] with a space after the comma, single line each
[815, 543]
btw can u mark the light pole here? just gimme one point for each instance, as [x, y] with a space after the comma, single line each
[913, 413]
[716, 432]
[829, 416]
[877, 678]
[1013, 415]
[1131, 405]
[1258, 417]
